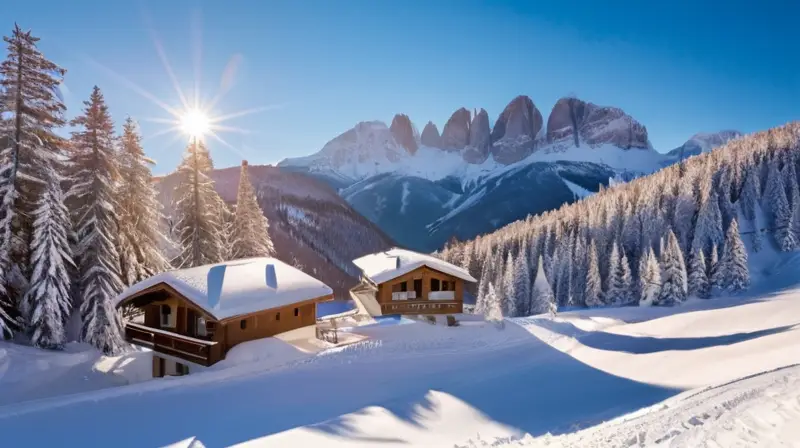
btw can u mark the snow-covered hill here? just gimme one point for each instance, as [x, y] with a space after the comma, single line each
[436, 177]
[698, 144]
[646, 371]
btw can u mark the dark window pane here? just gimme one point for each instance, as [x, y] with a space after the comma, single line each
[243, 324]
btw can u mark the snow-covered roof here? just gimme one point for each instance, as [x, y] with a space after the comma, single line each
[383, 266]
[237, 287]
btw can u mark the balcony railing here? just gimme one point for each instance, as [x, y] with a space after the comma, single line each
[442, 295]
[404, 295]
[191, 349]
[421, 307]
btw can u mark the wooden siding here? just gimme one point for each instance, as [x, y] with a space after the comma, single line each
[266, 323]
[425, 274]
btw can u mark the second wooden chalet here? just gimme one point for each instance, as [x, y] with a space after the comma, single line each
[192, 317]
[400, 281]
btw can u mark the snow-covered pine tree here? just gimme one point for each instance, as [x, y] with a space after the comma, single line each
[708, 228]
[48, 298]
[31, 110]
[733, 265]
[685, 208]
[95, 216]
[139, 211]
[650, 279]
[483, 285]
[494, 309]
[618, 290]
[698, 278]
[750, 194]
[673, 278]
[522, 283]
[775, 194]
[715, 278]
[580, 263]
[509, 288]
[593, 285]
[198, 227]
[250, 230]
[542, 297]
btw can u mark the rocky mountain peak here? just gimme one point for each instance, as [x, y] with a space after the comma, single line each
[430, 136]
[575, 121]
[515, 131]
[480, 139]
[404, 132]
[455, 134]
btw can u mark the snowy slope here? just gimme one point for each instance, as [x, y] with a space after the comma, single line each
[424, 385]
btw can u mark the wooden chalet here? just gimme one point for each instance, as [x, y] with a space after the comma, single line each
[192, 317]
[400, 281]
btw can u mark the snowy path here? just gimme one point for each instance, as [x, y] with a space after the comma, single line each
[426, 385]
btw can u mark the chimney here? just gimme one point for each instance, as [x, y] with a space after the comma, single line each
[271, 276]
[214, 280]
[244, 162]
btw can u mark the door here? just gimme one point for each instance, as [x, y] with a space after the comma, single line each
[418, 288]
[191, 323]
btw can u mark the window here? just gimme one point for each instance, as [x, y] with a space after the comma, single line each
[278, 316]
[403, 287]
[296, 312]
[445, 285]
[166, 316]
[243, 324]
[434, 284]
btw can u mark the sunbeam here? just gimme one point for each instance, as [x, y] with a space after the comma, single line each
[245, 112]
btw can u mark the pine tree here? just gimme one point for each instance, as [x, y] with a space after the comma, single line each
[708, 228]
[733, 265]
[715, 276]
[95, 218]
[619, 290]
[522, 283]
[48, 298]
[483, 286]
[748, 200]
[594, 287]
[649, 279]
[250, 237]
[199, 227]
[781, 212]
[673, 278]
[698, 279]
[542, 299]
[32, 111]
[509, 288]
[139, 211]
[494, 309]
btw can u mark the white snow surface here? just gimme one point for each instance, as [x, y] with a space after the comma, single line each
[383, 266]
[244, 288]
[600, 377]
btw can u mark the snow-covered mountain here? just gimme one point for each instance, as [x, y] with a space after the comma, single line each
[310, 224]
[419, 188]
[700, 143]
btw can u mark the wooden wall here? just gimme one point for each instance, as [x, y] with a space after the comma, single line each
[266, 323]
[425, 274]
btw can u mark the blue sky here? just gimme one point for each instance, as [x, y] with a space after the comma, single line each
[679, 67]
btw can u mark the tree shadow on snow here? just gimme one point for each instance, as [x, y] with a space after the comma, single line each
[640, 345]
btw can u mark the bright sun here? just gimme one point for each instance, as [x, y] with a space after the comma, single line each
[195, 123]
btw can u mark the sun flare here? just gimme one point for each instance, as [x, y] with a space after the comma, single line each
[195, 123]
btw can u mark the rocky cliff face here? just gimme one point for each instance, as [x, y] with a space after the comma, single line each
[455, 134]
[404, 133]
[514, 134]
[430, 136]
[480, 139]
[573, 121]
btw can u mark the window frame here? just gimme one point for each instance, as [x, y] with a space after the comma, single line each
[170, 323]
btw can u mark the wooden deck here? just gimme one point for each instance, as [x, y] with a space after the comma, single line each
[420, 307]
[194, 350]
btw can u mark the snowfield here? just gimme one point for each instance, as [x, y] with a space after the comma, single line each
[599, 377]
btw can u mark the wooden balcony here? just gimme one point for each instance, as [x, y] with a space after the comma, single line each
[421, 307]
[191, 349]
